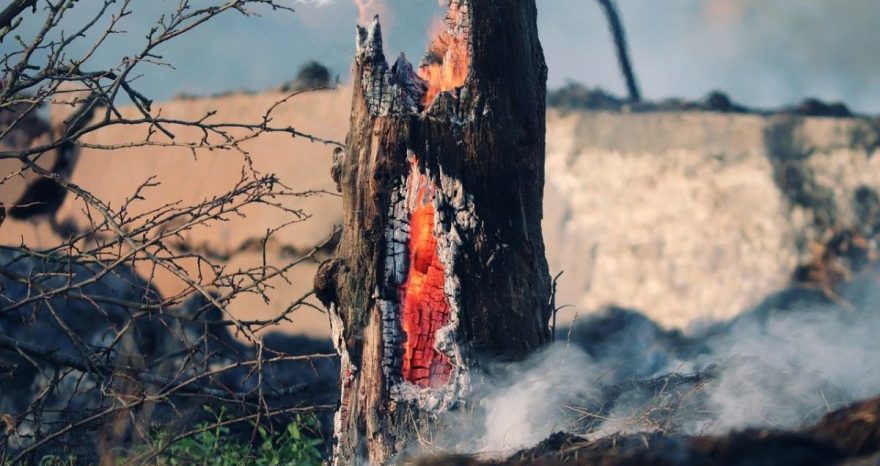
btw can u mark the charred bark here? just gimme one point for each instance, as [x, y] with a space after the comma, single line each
[441, 263]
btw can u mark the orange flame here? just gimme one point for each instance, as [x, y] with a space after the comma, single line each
[448, 61]
[425, 308]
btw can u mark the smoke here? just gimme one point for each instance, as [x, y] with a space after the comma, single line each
[794, 367]
[530, 403]
[369, 8]
[781, 365]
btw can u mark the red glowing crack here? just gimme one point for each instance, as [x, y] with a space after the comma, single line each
[425, 308]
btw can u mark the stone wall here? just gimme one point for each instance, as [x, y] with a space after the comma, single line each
[692, 217]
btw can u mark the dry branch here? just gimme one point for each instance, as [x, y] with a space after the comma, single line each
[108, 354]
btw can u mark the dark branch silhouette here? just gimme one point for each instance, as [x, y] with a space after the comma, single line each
[91, 353]
[619, 36]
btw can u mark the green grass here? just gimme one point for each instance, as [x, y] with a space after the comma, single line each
[213, 445]
[53, 460]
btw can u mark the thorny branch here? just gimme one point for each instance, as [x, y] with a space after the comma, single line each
[117, 346]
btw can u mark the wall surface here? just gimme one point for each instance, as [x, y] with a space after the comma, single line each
[696, 216]
[298, 163]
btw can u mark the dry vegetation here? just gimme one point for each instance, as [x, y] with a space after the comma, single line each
[92, 356]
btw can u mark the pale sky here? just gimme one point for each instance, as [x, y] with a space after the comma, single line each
[764, 53]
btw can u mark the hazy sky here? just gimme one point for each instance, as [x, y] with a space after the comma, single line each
[763, 52]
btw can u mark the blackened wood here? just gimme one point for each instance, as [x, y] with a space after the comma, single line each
[481, 146]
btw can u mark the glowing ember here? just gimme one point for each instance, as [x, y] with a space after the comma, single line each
[447, 62]
[425, 309]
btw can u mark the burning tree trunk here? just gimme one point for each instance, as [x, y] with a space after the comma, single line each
[442, 258]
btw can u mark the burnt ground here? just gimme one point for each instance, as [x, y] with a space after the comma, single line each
[850, 436]
[46, 380]
[661, 383]
[803, 415]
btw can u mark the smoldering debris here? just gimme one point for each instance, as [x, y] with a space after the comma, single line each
[848, 436]
[783, 365]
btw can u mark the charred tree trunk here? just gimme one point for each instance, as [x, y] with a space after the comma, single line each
[441, 264]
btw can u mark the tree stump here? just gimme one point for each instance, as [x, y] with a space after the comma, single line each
[441, 264]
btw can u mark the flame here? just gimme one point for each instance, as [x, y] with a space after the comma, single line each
[425, 308]
[447, 60]
[367, 9]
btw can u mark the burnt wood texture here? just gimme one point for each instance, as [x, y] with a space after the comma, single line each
[441, 265]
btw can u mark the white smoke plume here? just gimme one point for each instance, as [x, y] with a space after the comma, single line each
[529, 404]
[781, 365]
